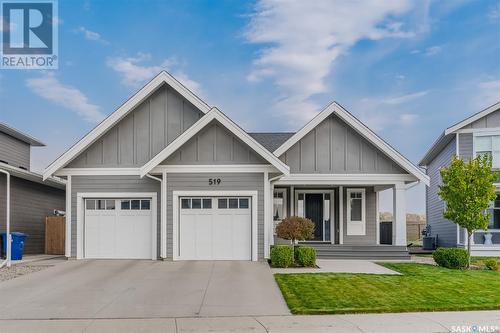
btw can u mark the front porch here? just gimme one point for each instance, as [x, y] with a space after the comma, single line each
[345, 211]
[482, 245]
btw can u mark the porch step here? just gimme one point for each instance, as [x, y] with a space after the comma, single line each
[368, 252]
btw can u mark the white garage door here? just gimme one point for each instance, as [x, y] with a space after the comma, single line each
[215, 228]
[118, 229]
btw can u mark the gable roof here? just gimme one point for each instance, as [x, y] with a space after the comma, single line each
[146, 91]
[214, 114]
[15, 133]
[33, 176]
[358, 126]
[448, 134]
[271, 141]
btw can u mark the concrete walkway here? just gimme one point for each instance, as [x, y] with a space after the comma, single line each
[427, 322]
[340, 266]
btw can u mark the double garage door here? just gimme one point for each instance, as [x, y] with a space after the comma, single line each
[215, 228]
[210, 228]
[119, 229]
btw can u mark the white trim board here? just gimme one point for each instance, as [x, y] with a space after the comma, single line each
[472, 118]
[120, 113]
[344, 179]
[232, 168]
[175, 210]
[80, 196]
[335, 108]
[214, 114]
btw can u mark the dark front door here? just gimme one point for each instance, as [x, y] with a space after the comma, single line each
[386, 233]
[314, 212]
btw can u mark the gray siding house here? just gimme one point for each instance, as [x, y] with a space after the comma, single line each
[478, 134]
[168, 177]
[32, 199]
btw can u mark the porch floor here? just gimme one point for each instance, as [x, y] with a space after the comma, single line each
[366, 252]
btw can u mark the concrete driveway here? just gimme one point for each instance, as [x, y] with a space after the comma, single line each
[142, 289]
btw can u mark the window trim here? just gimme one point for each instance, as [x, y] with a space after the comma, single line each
[350, 224]
[484, 134]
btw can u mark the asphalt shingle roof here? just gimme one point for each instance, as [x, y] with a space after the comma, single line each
[271, 141]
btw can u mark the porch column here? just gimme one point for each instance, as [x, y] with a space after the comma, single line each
[267, 214]
[163, 218]
[399, 215]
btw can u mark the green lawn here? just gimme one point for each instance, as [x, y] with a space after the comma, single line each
[420, 288]
[479, 261]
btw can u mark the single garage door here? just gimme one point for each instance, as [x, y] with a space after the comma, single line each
[215, 228]
[118, 229]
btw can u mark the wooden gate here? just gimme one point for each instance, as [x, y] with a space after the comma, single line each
[55, 230]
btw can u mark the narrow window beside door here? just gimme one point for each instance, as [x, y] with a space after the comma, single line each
[356, 216]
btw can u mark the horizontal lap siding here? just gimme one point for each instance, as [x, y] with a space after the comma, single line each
[441, 227]
[14, 151]
[30, 204]
[229, 182]
[115, 184]
[465, 149]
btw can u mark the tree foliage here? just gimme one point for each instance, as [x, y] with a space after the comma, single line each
[295, 228]
[468, 190]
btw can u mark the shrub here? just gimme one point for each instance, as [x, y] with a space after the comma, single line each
[451, 258]
[295, 228]
[305, 256]
[282, 256]
[491, 264]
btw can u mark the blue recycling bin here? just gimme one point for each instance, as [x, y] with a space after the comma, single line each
[18, 239]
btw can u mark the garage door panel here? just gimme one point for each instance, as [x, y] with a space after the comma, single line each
[220, 232]
[115, 233]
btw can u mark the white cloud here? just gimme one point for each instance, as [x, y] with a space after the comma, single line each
[303, 39]
[433, 50]
[404, 98]
[91, 35]
[50, 88]
[408, 118]
[494, 12]
[134, 72]
[489, 93]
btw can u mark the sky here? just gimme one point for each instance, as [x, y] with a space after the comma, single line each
[407, 69]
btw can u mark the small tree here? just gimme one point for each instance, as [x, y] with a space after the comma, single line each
[295, 228]
[468, 191]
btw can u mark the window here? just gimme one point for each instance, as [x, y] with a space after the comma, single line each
[145, 205]
[233, 203]
[243, 203]
[186, 203]
[222, 203]
[279, 204]
[207, 203]
[488, 145]
[495, 214]
[135, 204]
[356, 224]
[99, 204]
[196, 203]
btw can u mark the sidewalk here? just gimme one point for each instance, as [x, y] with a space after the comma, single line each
[474, 321]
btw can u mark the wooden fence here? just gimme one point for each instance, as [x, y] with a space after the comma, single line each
[55, 230]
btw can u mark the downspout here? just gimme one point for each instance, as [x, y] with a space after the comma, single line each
[7, 229]
[412, 185]
[153, 177]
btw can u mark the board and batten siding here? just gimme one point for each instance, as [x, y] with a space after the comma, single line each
[14, 152]
[30, 203]
[465, 146]
[229, 182]
[143, 133]
[334, 147]
[490, 121]
[215, 145]
[445, 230]
[370, 237]
[111, 184]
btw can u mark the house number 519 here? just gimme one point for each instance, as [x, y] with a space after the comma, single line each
[214, 181]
